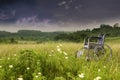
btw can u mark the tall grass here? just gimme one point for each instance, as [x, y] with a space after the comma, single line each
[55, 61]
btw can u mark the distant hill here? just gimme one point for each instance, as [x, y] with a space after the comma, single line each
[33, 35]
[110, 31]
[28, 35]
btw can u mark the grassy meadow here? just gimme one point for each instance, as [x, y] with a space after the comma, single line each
[55, 61]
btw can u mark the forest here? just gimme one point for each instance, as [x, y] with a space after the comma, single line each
[76, 36]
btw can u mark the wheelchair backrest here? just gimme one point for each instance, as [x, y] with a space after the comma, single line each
[101, 39]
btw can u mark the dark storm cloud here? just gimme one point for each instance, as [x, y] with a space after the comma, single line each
[26, 8]
[61, 12]
[62, 9]
[93, 9]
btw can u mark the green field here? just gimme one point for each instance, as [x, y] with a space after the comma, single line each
[55, 61]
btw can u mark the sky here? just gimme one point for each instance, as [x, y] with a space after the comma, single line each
[57, 15]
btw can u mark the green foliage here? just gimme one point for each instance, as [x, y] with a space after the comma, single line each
[58, 64]
[12, 40]
[78, 36]
[27, 35]
[59, 78]
[110, 31]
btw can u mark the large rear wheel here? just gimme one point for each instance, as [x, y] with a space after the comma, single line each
[102, 53]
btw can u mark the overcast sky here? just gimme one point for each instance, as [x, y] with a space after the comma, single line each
[57, 15]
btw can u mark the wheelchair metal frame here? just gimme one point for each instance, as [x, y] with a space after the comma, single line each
[97, 45]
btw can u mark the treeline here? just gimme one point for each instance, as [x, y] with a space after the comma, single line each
[110, 31]
[33, 35]
[27, 35]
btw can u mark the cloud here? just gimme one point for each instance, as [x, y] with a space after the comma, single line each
[6, 14]
[62, 3]
[33, 21]
[27, 21]
[58, 14]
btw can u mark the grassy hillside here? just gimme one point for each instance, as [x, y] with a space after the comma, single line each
[55, 61]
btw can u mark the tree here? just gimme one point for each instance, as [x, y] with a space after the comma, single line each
[12, 40]
[116, 25]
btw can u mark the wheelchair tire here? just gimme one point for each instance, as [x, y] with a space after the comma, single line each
[102, 53]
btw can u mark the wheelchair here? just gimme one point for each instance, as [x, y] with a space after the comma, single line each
[95, 49]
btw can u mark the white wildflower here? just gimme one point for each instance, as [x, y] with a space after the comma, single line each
[50, 55]
[36, 76]
[98, 78]
[65, 53]
[104, 66]
[59, 49]
[98, 70]
[20, 78]
[8, 58]
[66, 57]
[81, 75]
[10, 66]
[15, 55]
[60, 44]
[39, 73]
[27, 68]
[0, 66]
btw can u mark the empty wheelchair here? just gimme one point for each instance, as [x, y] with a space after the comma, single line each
[95, 49]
